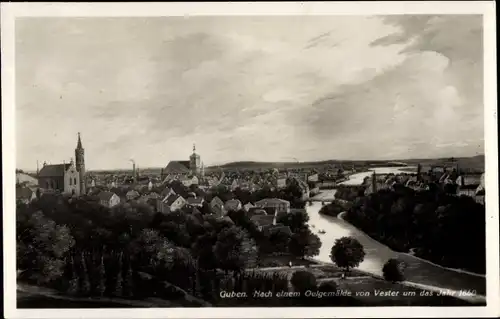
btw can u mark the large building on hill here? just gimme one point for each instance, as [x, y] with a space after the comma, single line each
[192, 167]
[65, 178]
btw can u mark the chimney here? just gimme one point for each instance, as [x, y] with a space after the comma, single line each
[374, 182]
[37, 169]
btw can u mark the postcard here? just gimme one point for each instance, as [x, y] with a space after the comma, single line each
[253, 160]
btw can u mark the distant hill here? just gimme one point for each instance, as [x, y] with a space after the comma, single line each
[475, 162]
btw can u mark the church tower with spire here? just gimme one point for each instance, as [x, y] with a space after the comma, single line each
[80, 164]
[194, 162]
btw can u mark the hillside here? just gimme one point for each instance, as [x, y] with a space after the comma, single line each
[475, 162]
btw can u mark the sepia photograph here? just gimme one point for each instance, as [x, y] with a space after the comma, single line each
[190, 159]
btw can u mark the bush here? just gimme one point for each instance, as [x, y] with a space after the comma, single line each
[303, 280]
[393, 270]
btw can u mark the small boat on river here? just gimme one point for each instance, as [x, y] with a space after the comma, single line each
[322, 232]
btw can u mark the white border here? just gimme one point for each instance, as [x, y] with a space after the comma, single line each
[11, 10]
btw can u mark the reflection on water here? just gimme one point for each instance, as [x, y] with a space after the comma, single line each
[357, 179]
[377, 254]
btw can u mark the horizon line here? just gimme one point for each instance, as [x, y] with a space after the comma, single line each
[287, 162]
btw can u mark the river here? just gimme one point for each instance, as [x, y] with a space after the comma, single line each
[419, 271]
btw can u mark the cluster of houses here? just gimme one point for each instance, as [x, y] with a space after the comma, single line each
[263, 213]
[468, 184]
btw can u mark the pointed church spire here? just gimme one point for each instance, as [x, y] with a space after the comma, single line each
[79, 145]
[194, 147]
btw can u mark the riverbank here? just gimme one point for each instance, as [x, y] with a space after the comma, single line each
[409, 255]
[450, 280]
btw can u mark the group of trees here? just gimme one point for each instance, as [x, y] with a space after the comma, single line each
[349, 193]
[101, 274]
[334, 208]
[348, 253]
[84, 248]
[431, 223]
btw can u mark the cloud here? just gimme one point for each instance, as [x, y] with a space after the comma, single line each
[247, 88]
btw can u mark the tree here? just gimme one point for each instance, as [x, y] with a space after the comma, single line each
[303, 280]
[280, 241]
[149, 248]
[129, 281]
[85, 286]
[41, 246]
[296, 220]
[332, 209]
[203, 248]
[176, 232]
[73, 282]
[304, 243]
[178, 265]
[119, 278]
[101, 273]
[234, 249]
[347, 252]
[393, 270]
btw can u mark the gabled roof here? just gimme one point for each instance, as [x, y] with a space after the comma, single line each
[166, 191]
[248, 206]
[133, 192]
[480, 191]
[24, 192]
[171, 199]
[273, 229]
[56, 170]
[232, 204]
[195, 201]
[217, 200]
[227, 219]
[271, 201]
[105, 195]
[257, 211]
[26, 178]
[469, 179]
[177, 167]
[262, 220]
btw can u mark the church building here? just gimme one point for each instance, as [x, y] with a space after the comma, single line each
[65, 178]
[193, 167]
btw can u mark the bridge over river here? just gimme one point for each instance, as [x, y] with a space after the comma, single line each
[419, 272]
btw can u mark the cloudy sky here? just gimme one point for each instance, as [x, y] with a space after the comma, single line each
[248, 88]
